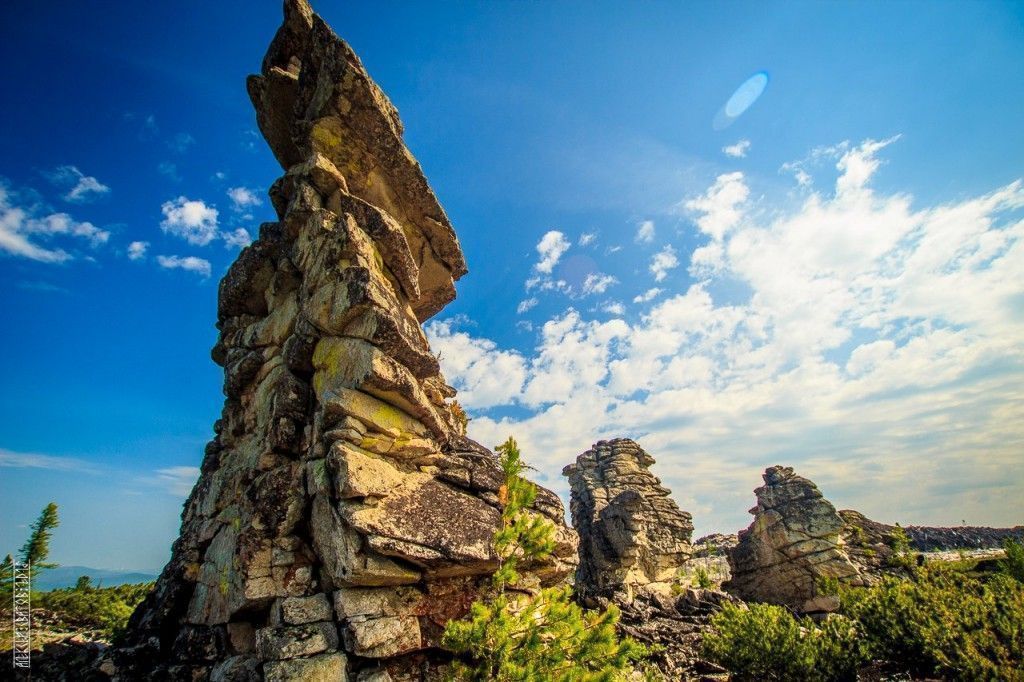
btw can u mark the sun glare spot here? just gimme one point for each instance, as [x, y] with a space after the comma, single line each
[741, 100]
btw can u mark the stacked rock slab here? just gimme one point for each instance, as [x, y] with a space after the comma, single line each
[631, 532]
[792, 545]
[341, 517]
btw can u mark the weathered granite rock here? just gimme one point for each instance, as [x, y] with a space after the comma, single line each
[341, 517]
[631, 532]
[792, 545]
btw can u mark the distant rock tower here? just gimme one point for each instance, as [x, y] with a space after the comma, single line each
[793, 543]
[631, 532]
[341, 517]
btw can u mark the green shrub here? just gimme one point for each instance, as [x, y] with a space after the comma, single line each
[759, 642]
[1013, 564]
[766, 642]
[943, 622]
[520, 634]
[702, 579]
[105, 609]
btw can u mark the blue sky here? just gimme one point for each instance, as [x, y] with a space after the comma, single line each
[839, 272]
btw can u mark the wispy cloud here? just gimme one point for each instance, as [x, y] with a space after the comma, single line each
[80, 187]
[22, 225]
[168, 169]
[587, 238]
[647, 296]
[738, 150]
[551, 247]
[645, 232]
[238, 237]
[177, 480]
[31, 460]
[137, 250]
[664, 261]
[597, 283]
[243, 198]
[199, 266]
[181, 142]
[526, 305]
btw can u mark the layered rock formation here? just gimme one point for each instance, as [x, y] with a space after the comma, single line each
[792, 545]
[631, 532]
[341, 517]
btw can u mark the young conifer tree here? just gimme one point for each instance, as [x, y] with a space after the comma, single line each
[35, 551]
[514, 633]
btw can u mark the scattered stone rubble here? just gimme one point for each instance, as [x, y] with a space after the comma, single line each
[793, 544]
[341, 517]
[631, 532]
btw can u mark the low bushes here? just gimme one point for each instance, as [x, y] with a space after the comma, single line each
[939, 621]
[104, 609]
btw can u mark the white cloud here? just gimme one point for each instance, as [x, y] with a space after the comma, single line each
[486, 376]
[190, 263]
[137, 250]
[648, 295]
[31, 460]
[738, 150]
[550, 247]
[597, 283]
[664, 261]
[81, 187]
[719, 206]
[190, 219]
[874, 343]
[242, 198]
[526, 305]
[587, 238]
[613, 307]
[20, 224]
[177, 480]
[238, 237]
[645, 232]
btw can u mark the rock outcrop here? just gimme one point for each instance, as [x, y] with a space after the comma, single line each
[341, 517]
[634, 552]
[631, 532]
[793, 544]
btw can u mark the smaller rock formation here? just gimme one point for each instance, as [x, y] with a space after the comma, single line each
[793, 544]
[634, 549]
[631, 532]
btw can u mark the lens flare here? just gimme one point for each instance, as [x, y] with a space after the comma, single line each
[741, 100]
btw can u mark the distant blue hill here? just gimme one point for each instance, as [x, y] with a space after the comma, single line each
[67, 576]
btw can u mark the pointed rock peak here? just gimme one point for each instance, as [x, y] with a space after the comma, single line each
[316, 104]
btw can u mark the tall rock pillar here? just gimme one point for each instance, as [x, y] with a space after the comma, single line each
[341, 517]
[631, 532]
